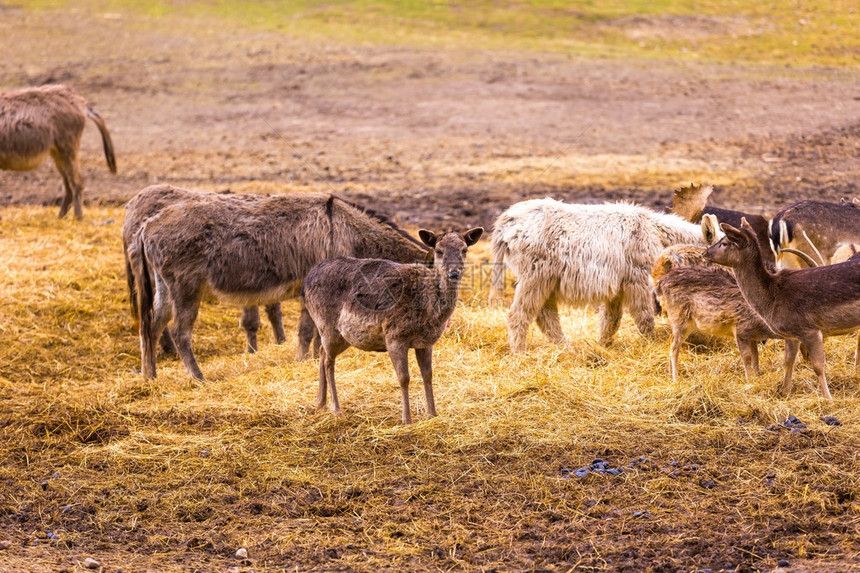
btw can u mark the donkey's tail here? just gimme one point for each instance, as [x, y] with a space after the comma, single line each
[497, 276]
[132, 288]
[140, 285]
[106, 140]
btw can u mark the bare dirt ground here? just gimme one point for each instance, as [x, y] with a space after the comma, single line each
[435, 137]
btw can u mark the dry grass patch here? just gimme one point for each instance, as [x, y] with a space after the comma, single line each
[175, 475]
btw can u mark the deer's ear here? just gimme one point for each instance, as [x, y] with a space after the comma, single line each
[746, 225]
[429, 238]
[472, 235]
[736, 236]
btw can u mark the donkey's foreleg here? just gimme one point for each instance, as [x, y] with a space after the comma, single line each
[276, 318]
[251, 324]
[529, 298]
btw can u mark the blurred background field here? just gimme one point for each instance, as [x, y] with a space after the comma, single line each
[439, 115]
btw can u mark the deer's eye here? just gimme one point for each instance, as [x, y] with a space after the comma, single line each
[439, 252]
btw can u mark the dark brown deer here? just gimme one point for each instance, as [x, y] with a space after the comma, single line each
[802, 306]
[149, 202]
[379, 306]
[707, 299]
[49, 120]
[814, 228]
[247, 252]
[691, 203]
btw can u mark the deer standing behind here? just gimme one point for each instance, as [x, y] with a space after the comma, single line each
[707, 299]
[148, 203]
[377, 306]
[248, 253]
[802, 306]
[581, 254]
[49, 120]
[815, 228]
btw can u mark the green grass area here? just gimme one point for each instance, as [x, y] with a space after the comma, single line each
[796, 33]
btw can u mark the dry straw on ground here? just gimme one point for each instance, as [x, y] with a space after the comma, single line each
[175, 475]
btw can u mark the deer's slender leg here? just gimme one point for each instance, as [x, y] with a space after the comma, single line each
[749, 355]
[815, 343]
[331, 346]
[424, 357]
[400, 359]
[791, 347]
[307, 333]
[680, 331]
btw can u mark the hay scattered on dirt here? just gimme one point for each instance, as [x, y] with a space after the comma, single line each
[172, 475]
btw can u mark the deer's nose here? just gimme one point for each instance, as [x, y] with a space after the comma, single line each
[455, 274]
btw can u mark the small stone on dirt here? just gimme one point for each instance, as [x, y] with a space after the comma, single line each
[831, 421]
[91, 563]
[241, 553]
[782, 563]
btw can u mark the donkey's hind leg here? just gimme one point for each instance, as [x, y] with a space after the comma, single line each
[149, 338]
[610, 318]
[67, 164]
[184, 314]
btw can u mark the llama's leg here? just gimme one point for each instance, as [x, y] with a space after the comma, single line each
[791, 347]
[400, 359]
[680, 331]
[639, 300]
[424, 356]
[610, 318]
[276, 318]
[149, 338]
[749, 356]
[815, 343]
[548, 321]
[251, 324]
[307, 334]
[529, 298]
[184, 314]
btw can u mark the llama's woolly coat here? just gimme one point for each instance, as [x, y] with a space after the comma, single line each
[582, 254]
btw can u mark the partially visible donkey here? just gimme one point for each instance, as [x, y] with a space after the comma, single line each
[49, 120]
[248, 252]
[802, 306]
[816, 229]
[149, 202]
[380, 306]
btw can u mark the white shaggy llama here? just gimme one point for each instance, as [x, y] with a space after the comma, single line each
[579, 255]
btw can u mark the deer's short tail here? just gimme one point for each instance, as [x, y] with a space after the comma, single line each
[106, 140]
[497, 276]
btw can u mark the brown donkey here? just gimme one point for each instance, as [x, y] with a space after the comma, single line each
[148, 203]
[247, 252]
[801, 306]
[380, 306]
[49, 120]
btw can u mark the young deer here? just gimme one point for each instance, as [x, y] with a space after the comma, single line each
[707, 299]
[377, 305]
[801, 306]
[49, 120]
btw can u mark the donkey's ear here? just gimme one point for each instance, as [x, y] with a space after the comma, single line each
[736, 236]
[472, 235]
[429, 238]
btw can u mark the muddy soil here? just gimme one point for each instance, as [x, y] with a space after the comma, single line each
[432, 137]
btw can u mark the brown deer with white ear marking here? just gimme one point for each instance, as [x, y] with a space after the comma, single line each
[49, 120]
[814, 228]
[377, 305]
[802, 305]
